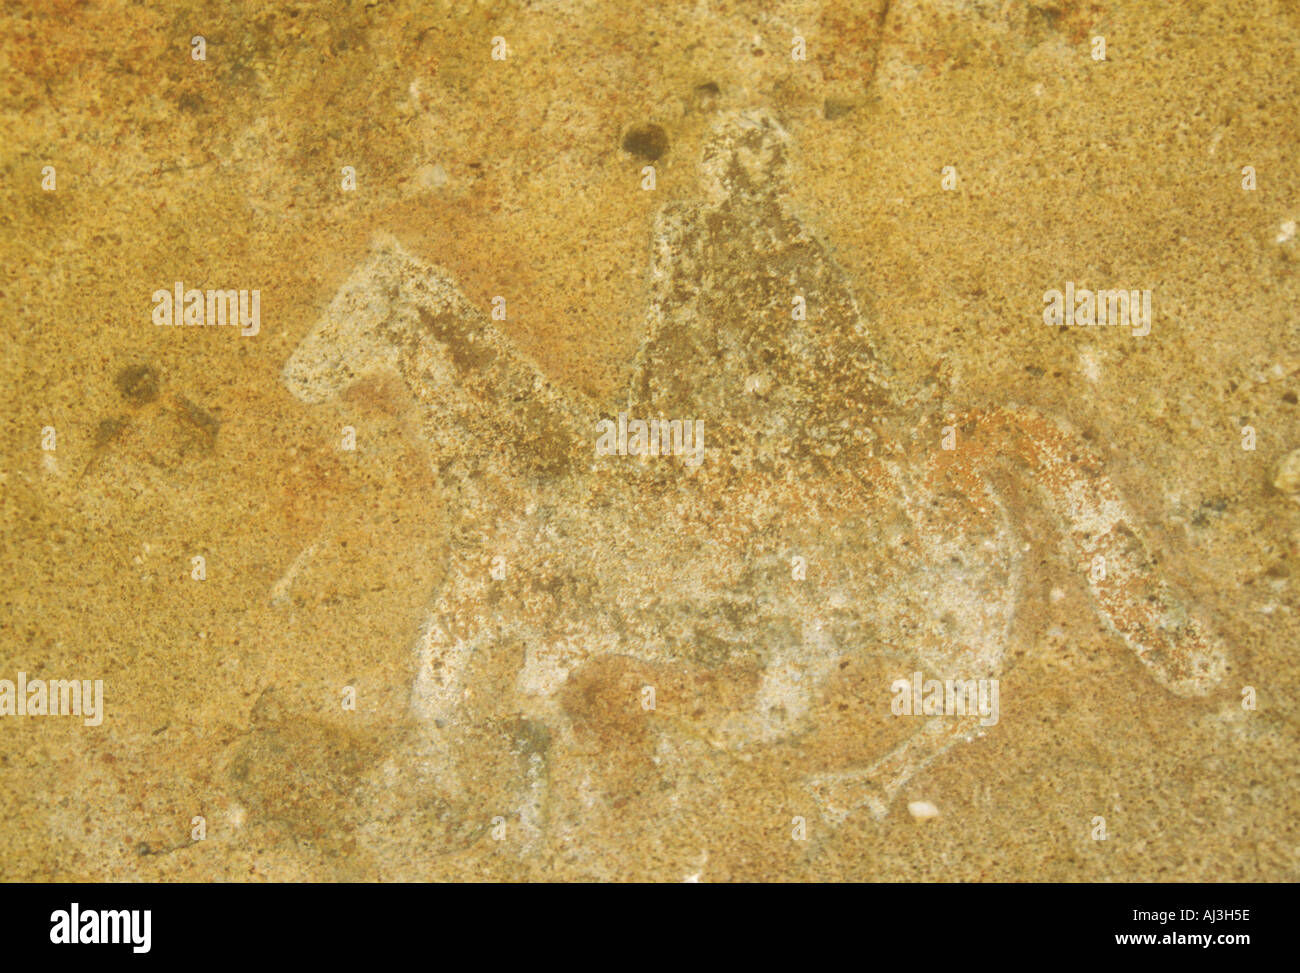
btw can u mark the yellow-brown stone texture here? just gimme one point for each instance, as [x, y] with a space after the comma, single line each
[438, 632]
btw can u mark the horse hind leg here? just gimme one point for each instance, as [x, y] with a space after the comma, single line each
[960, 598]
[839, 794]
[1134, 601]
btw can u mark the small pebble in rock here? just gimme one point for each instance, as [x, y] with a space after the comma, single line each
[1287, 477]
[922, 810]
[431, 177]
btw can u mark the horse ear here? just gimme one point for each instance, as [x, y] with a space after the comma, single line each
[350, 336]
[382, 242]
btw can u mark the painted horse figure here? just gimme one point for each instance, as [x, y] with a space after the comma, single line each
[910, 548]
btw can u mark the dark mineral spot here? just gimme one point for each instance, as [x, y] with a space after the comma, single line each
[647, 141]
[707, 95]
[349, 39]
[199, 420]
[1050, 16]
[710, 651]
[191, 103]
[108, 429]
[1215, 505]
[138, 384]
[1289, 398]
[833, 108]
[531, 736]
